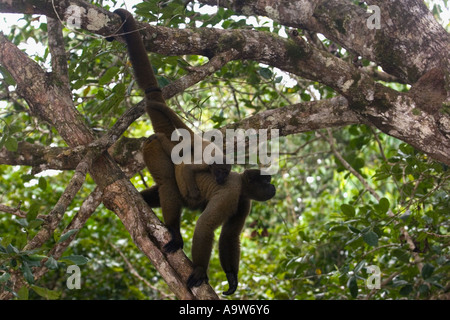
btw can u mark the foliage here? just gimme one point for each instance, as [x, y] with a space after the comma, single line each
[314, 240]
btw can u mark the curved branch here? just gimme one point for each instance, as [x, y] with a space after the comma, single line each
[302, 117]
[55, 216]
[393, 46]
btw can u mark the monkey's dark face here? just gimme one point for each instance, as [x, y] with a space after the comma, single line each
[258, 186]
[220, 172]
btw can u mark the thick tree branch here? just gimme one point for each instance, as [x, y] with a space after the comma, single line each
[302, 117]
[399, 46]
[46, 100]
[289, 120]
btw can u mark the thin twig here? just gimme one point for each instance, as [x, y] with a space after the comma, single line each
[55, 216]
[14, 211]
[137, 275]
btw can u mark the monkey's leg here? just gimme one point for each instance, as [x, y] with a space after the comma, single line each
[212, 217]
[171, 206]
[151, 196]
[229, 245]
[171, 213]
[162, 170]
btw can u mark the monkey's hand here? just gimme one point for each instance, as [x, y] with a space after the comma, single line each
[232, 283]
[197, 277]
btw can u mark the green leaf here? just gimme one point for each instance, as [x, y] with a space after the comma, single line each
[22, 293]
[359, 266]
[5, 277]
[108, 103]
[42, 183]
[75, 259]
[51, 263]
[427, 270]
[406, 290]
[383, 206]
[33, 224]
[371, 238]
[352, 285]
[11, 249]
[7, 77]
[348, 210]
[401, 255]
[11, 144]
[108, 76]
[162, 81]
[266, 73]
[33, 211]
[66, 235]
[27, 274]
[46, 293]
[23, 222]
[305, 96]
[32, 260]
[354, 230]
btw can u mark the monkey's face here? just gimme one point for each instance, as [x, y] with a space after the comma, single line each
[257, 186]
[220, 172]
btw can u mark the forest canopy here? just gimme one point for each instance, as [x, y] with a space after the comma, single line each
[359, 94]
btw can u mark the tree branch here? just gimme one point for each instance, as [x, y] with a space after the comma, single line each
[345, 23]
[57, 51]
[55, 216]
[87, 208]
[14, 211]
[135, 273]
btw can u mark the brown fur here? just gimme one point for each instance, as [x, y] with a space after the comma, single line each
[165, 121]
[226, 205]
[224, 197]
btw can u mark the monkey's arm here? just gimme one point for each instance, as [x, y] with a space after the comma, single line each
[229, 244]
[215, 213]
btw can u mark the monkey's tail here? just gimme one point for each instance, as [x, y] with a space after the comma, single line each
[143, 70]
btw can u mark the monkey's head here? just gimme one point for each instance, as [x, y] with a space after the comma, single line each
[257, 186]
[220, 171]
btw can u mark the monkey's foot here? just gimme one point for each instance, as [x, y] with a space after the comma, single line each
[152, 137]
[173, 245]
[176, 242]
[232, 283]
[197, 277]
